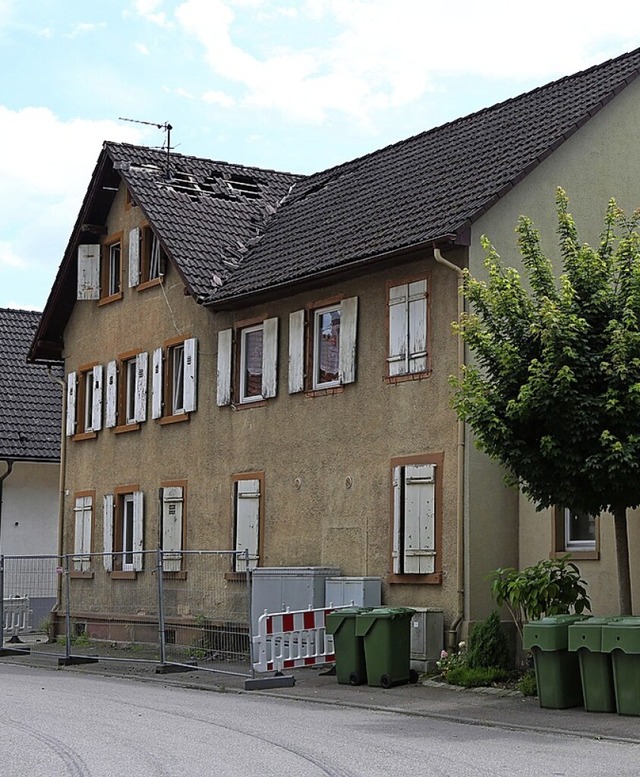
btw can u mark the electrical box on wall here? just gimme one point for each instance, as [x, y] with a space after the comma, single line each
[427, 638]
[359, 591]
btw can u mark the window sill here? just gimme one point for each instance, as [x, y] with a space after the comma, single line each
[247, 405]
[411, 376]
[84, 436]
[118, 574]
[182, 575]
[111, 298]
[584, 555]
[324, 392]
[235, 577]
[127, 428]
[77, 574]
[150, 284]
[173, 419]
[435, 578]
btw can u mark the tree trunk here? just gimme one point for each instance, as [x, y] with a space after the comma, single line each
[622, 558]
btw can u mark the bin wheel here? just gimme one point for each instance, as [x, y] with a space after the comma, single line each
[355, 679]
[385, 681]
[413, 676]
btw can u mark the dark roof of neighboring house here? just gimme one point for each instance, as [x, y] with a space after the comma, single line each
[425, 189]
[238, 233]
[30, 402]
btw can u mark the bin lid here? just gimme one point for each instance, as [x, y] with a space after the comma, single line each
[622, 634]
[390, 612]
[588, 633]
[549, 633]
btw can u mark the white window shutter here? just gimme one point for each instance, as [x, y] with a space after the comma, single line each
[269, 357]
[88, 272]
[138, 529]
[348, 334]
[134, 257]
[419, 519]
[172, 517]
[296, 351]
[96, 403]
[156, 384]
[247, 521]
[142, 361]
[398, 329]
[110, 419]
[397, 519]
[190, 374]
[107, 531]
[417, 326]
[82, 536]
[223, 390]
[71, 404]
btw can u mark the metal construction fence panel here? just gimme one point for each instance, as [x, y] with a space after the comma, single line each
[183, 609]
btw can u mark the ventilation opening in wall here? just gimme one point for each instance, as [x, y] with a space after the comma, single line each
[79, 629]
[170, 636]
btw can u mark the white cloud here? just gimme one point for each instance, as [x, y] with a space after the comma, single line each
[83, 28]
[141, 49]
[370, 55]
[150, 10]
[8, 258]
[218, 98]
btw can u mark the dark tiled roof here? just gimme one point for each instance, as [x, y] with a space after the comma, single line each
[425, 188]
[30, 402]
[206, 213]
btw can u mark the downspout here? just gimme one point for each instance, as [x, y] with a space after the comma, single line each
[3, 477]
[452, 634]
[61, 480]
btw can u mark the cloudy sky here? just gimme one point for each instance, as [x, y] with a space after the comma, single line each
[295, 85]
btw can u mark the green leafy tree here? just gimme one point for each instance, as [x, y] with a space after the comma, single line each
[555, 391]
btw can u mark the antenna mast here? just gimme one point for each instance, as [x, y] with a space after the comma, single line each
[166, 127]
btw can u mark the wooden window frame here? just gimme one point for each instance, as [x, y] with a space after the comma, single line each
[435, 577]
[106, 296]
[120, 494]
[235, 479]
[123, 362]
[559, 538]
[86, 573]
[147, 236]
[169, 347]
[421, 374]
[82, 433]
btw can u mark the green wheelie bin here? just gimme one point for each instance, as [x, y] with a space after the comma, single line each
[557, 670]
[351, 667]
[386, 632]
[621, 639]
[596, 670]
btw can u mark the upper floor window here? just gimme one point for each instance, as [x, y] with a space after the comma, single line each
[84, 401]
[322, 346]
[127, 390]
[247, 363]
[147, 259]
[111, 269]
[174, 379]
[408, 328]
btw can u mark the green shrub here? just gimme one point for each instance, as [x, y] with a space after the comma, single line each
[488, 647]
[469, 677]
[527, 684]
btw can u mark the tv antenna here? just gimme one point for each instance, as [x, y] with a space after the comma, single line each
[166, 127]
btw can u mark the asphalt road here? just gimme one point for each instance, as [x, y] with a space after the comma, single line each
[56, 724]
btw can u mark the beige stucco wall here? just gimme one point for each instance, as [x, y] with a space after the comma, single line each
[322, 440]
[600, 161]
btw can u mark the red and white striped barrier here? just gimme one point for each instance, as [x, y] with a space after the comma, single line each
[289, 639]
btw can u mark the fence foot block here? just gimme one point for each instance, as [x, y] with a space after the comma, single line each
[279, 681]
[6, 651]
[71, 660]
[172, 668]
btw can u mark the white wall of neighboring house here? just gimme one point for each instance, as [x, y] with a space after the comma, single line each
[30, 509]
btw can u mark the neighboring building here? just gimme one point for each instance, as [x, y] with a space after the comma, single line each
[260, 360]
[30, 433]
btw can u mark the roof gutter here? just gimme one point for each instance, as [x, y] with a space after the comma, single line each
[452, 638]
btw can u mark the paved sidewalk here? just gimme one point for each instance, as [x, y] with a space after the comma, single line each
[486, 707]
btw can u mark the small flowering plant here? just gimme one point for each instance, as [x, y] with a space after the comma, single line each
[448, 661]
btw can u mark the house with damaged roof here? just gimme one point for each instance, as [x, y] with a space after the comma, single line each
[269, 354]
